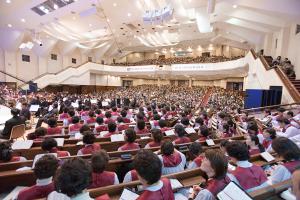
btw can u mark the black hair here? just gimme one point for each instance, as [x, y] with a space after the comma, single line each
[179, 129]
[218, 162]
[148, 166]
[108, 114]
[15, 112]
[195, 148]
[52, 122]
[167, 148]
[75, 119]
[112, 127]
[84, 129]
[120, 119]
[46, 166]
[88, 138]
[73, 177]
[99, 161]
[99, 120]
[5, 151]
[157, 135]
[185, 121]
[131, 135]
[140, 124]
[255, 139]
[238, 150]
[123, 113]
[162, 123]
[286, 148]
[272, 132]
[48, 144]
[156, 117]
[204, 131]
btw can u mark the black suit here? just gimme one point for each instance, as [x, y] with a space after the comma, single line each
[25, 113]
[9, 124]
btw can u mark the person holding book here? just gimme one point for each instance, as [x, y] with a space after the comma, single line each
[89, 144]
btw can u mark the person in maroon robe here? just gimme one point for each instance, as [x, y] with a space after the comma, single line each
[75, 127]
[253, 144]
[121, 125]
[157, 138]
[288, 151]
[296, 183]
[73, 179]
[53, 128]
[148, 168]
[89, 144]
[196, 154]
[44, 170]
[100, 177]
[182, 138]
[163, 125]
[112, 129]
[214, 165]
[130, 144]
[50, 146]
[100, 126]
[6, 153]
[250, 177]
[141, 128]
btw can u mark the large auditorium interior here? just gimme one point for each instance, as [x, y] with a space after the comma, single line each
[150, 99]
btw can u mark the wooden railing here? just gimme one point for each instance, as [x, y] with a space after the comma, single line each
[269, 107]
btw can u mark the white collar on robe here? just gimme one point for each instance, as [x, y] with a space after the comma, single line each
[155, 186]
[45, 181]
[244, 164]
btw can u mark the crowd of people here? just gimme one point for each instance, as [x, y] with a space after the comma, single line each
[178, 60]
[127, 111]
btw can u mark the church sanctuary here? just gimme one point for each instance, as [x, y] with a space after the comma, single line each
[150, 99]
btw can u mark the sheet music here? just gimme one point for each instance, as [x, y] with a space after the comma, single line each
[102, 133]
[104, 103]
[231, 167]
[94, 101]
[75, 105]
[267, 156]
[38, 156]
[117, 138]
[128, 195]
[34, 108]
[20, 144]
[60, 141]
[175, 184]
[145, 137]
[190, 130]
[78, 136]
[14, 193]
[210, 142]
[233, 192]
[169, 132]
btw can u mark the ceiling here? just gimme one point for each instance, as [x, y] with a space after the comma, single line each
[108, 26]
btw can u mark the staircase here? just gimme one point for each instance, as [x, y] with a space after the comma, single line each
[205, 99]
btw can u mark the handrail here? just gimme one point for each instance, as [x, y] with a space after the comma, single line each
[17, 78]
[269, 107]
[253, 54]
[287, 83]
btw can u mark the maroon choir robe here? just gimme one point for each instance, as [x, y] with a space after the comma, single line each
[107, 135]
[91, 120]
[254, 152]
[36, 192]
[54, 131]
[266, 143]
[292, 165]
[108, 120]
[165, 193]
[101, 128]
[126, 120]
[153, 144]
[60, 153]
[115, 114]
[250, 177]
[13, 159]
[215, 186]
[129, 146]
[64, 116]
[102, 179]
[172, 160]
[182, 140]
[75, 127]
[90, 148]
[198, 160]
[122, 127]
[144, 131]
[103, 197]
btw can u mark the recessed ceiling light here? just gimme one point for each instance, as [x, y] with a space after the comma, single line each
[107, 20]
[23, 20]
[9, 25]
[114, 4]
[55, 6]
[90, 25]
[73, 18]
[234, 6]
[8, 1]
[190, 1]
[129, 14]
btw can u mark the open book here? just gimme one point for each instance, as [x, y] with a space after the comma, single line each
[190, 130]
[20, 144]
[117, 138]
[210, 142]
[267, 156]
[169, 132]
[60, 141]
[128, 195]
[233, 192]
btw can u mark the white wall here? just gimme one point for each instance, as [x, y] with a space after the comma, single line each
[107, 80]
[294, 50]
[259, 78]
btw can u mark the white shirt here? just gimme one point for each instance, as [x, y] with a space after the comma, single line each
[171, 170]
[290, 132]
[279, 174]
